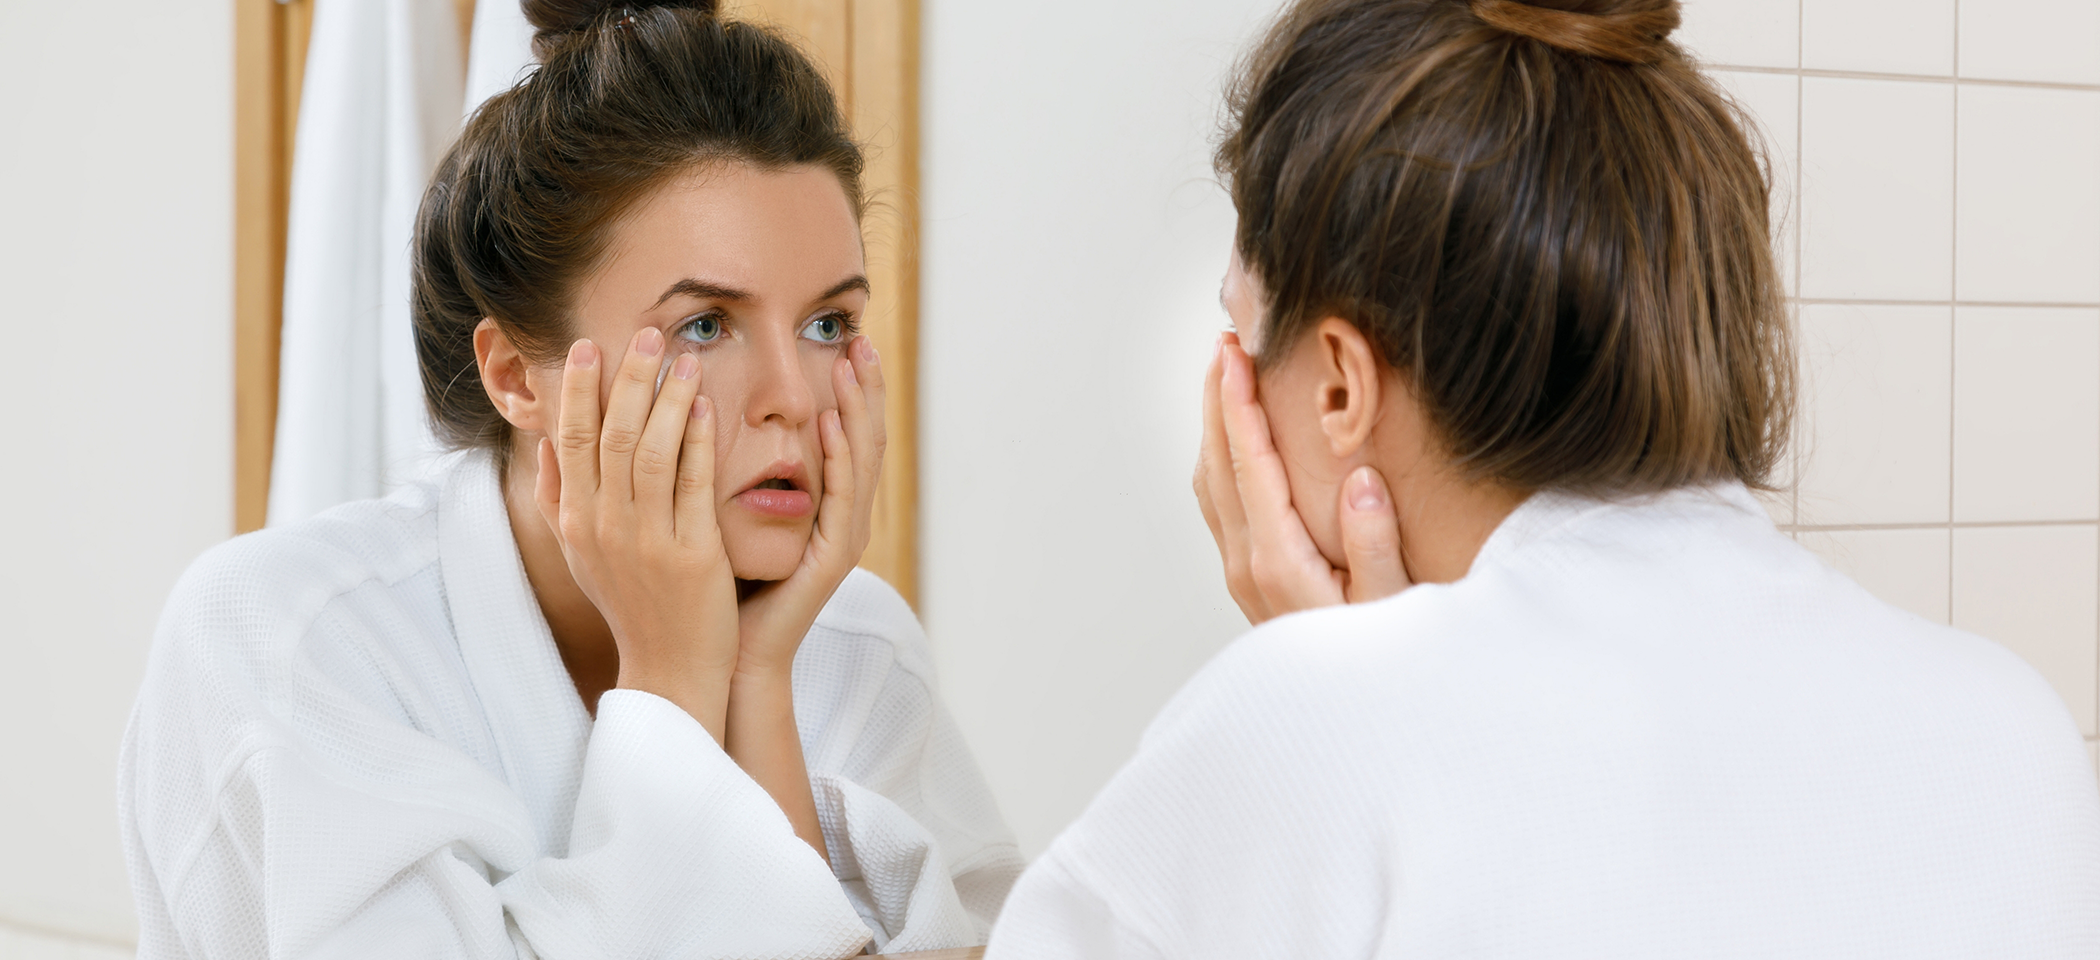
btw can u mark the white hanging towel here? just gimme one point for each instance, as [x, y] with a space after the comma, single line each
[380, 105]
[500, 53]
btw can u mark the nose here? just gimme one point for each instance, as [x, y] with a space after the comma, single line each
[780, 391]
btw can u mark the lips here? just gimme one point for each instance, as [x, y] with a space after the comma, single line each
[781, 491]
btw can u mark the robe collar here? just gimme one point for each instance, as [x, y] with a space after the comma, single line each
[537, 722]
[1549, 513]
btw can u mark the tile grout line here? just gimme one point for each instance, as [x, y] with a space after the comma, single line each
[1991, 304]
[1799, 465]
[1934, 525]
[1902, 77]
[1954, 296]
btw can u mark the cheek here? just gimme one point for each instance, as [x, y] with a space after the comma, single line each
[723, 383]
[816, 370]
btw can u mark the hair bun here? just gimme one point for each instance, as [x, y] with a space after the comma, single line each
[1629, 31]
[555, 20]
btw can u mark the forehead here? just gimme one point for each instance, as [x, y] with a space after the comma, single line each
[767, 231]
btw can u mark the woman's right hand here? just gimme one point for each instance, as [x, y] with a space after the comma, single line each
[631, 497]
[1272, 566]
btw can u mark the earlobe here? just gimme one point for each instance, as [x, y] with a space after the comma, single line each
[1350, 386]
[503, 372]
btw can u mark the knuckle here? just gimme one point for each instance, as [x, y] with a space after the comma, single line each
[1375, 545]
[619, 437]
[1265, 573]
[651, 461]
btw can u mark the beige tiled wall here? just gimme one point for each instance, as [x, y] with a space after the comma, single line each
[1939, 172]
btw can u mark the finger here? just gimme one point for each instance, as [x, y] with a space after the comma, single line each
[1219, 494]
[656, 457]
[862, 415]
[626, 412]
[1284, 563]
[694, 511]
[1371, 538]
[1219, 499]
[839, 513]
[577, 449]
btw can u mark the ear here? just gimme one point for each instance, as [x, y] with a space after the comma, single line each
[1349, 382]
[503, 372]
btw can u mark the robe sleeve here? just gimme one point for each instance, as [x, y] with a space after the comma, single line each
[676, 851]
[915, 836]
[267, 813]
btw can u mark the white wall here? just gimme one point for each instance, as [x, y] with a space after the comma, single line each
[1073, 243]
[116, 261]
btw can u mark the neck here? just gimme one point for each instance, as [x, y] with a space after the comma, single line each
[1444, 518]
[580, 631]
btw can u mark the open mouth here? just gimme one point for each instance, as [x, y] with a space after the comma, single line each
[782, 493]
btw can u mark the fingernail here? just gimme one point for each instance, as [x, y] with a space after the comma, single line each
[700, 406]
[867, 351]
[1365, 492]
[685, 366]
[583, 354]
[649, 342]
[851, 377]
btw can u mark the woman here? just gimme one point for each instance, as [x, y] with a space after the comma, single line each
[1514, 258]
[609, 686]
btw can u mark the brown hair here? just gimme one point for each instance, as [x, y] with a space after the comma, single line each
[1541, 214]
[626, 97]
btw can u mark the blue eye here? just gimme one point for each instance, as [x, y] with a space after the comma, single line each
[706, 328]
[829, 328]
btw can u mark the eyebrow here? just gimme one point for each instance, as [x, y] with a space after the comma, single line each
[703, 290]
[700, 290]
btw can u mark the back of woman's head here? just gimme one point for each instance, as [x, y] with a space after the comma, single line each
[627, 96]
[1541, 214]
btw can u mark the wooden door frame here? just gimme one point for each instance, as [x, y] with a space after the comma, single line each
[869, 48]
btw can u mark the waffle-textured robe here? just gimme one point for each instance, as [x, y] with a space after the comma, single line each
[1656, 728]
[356, 738]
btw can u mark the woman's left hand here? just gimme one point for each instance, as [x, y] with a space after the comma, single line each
[772, 621]
[1272, 566]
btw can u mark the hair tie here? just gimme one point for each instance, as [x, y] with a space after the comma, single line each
[1632, 37]
[626, 18]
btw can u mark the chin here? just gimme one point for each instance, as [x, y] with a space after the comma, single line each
[765, 554]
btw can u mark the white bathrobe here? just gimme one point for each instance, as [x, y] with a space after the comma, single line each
[1655, 729]
[356, 738]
